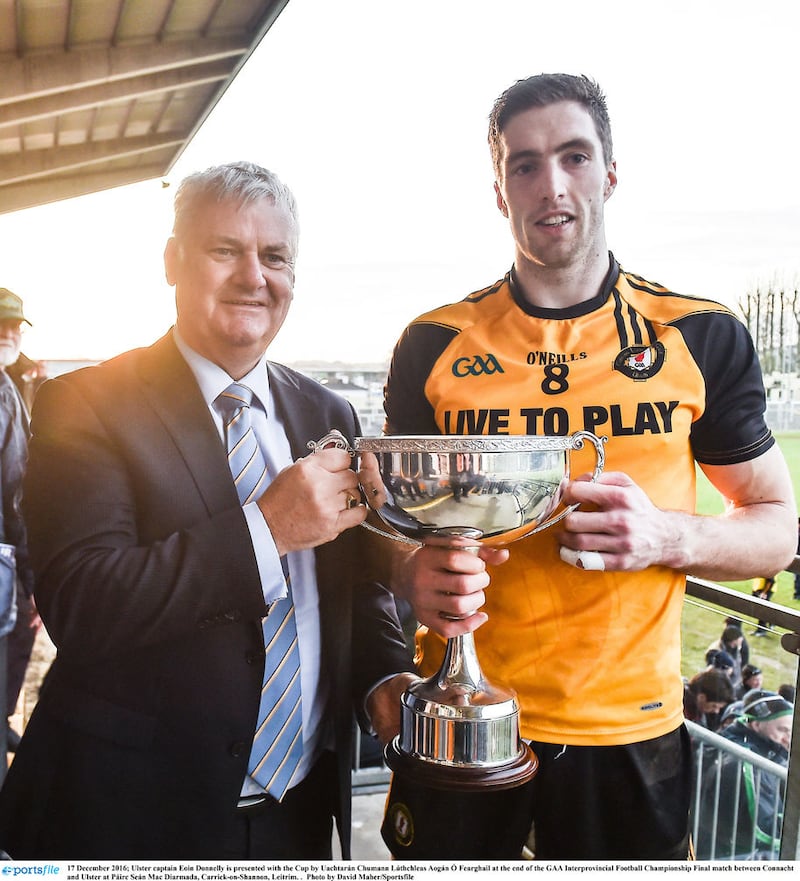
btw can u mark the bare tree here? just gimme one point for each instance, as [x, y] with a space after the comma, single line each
[771, 313]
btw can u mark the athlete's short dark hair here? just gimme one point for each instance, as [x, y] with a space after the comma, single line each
[541, 91]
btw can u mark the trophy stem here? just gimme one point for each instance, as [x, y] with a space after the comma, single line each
[458, 730]
[460, 666]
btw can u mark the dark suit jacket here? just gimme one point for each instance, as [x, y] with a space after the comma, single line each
[148, 586]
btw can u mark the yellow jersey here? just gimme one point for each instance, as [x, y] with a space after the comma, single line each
[670, 380]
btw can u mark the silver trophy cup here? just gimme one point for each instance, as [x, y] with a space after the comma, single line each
[458, 730]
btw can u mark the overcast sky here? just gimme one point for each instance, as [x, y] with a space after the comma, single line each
[375, 115]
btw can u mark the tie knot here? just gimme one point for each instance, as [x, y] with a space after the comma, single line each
[234, 397]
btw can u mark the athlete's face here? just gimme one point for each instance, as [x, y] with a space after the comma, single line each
[233, 271]
[553, 183]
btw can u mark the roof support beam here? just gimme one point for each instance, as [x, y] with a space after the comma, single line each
[39, 163]
[41, 192]
[29, 109]
[37, 75]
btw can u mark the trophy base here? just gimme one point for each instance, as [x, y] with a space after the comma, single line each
[464, 778]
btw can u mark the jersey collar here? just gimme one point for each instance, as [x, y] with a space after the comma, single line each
[575, 311]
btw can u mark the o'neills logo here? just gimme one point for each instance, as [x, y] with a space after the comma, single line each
[402, 824]
[641, 362]
[476, 365]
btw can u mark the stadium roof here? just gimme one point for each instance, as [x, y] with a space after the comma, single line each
[96, 94]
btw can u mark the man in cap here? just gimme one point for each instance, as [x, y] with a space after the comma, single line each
[749, 801]
[752, 677]
[718, 660]
[18, 617]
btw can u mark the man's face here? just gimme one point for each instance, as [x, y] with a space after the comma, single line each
[754, 681]
[552, 185]
[778, 730]
[233, 271]
[10, 341]
[707, 706]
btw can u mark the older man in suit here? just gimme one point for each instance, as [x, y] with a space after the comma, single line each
[160, 571]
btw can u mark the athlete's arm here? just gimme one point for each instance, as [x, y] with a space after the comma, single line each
[755, 535]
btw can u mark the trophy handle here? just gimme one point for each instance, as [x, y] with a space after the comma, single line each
[576, 443]
[334, 438]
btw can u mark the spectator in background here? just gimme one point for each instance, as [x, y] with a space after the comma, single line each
[729, 715]
[16, 579]
[731, 642]
[752, 677]
[27, 375]
[705, 696]
[763, 588]
[744, 651]
[787, 692]
[721, 661]
[749, 802]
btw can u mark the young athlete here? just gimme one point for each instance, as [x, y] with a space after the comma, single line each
[584, 620]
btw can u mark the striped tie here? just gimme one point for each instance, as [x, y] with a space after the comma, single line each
[278, 742]
[245, 458]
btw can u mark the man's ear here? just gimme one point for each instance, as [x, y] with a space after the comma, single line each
[611, 181]
[501, 202]
[171, 260]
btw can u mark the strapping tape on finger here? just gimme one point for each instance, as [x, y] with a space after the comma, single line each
[591, 561]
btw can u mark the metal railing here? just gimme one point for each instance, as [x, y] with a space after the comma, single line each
[743, 820]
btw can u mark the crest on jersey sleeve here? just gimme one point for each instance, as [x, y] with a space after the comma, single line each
[641, 362]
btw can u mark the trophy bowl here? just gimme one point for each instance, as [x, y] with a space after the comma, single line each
[458, 730]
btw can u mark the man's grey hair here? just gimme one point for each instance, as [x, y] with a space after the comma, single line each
[242, 182]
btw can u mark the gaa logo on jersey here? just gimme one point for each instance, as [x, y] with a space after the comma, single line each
[641, 362]
[476, 365]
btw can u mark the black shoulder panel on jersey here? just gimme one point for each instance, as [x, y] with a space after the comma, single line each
[732, 427]
[477, 296]
[408, 411]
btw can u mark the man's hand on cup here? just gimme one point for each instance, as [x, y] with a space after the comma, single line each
[312, 501]
[616, 528]
[445, 585]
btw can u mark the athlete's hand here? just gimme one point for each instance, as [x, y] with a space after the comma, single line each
[617, 520]
[445, 584]
[383, 706]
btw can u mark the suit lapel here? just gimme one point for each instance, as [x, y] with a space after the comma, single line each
[299, 412]
[303, 422]
[170, 387]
